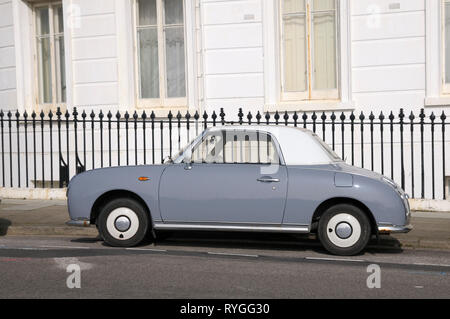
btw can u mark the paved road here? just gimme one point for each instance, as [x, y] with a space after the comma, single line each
[224, 266]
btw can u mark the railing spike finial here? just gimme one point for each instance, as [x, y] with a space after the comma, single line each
[276, 117]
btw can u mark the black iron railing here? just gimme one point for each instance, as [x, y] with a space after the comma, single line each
[46, 150]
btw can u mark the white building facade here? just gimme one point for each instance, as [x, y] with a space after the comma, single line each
[203, 55]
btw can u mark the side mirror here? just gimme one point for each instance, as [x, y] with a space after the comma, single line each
[187, 159]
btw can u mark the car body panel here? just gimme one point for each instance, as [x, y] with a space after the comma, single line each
[222, 193]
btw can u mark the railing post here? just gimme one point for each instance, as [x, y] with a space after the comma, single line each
[361, 118]
[381, 118]
[135, 117]
[432, 118]
[144, 136]
[342, 117]
[42, 115]
[50, 117]
[3, 148]
[25, 118]
[443, 117]
[118, 137]
[422, 164]
[18, 147]
[411, 119]
[401, 116]
[371, 118]
[100, 116]
[352, 129]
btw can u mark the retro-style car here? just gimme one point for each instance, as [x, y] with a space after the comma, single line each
[251, 178]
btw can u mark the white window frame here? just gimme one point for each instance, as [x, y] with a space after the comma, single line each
[54, 77]
[445, 86]
[162, 101]
[274, 99]
[437, 92]
[310, 93]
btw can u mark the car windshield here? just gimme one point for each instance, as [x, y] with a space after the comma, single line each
[178, 158]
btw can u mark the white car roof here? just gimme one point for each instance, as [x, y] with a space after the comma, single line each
[298, 145]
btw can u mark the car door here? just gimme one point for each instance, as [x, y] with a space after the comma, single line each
[234, 177]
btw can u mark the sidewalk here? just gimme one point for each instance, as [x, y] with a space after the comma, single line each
[48, 217]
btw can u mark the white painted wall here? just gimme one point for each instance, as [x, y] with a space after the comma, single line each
[233, 54]
[8, 92]
[94, 54]
[388, 53]
[232, 57]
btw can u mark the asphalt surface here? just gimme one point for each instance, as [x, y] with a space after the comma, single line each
[215, 266]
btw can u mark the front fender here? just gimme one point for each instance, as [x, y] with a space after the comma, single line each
[84, 189]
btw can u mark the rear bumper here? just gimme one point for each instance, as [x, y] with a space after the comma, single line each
[387, 229]
[78, 223]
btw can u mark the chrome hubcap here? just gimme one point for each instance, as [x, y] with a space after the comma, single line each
[122, 223]
[344, 230]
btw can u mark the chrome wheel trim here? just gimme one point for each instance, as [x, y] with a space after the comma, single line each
[343, 219]
[121, 214]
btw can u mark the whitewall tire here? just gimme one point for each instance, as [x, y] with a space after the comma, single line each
[123, 222]
[344, 230]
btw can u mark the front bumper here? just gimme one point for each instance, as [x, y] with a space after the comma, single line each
[78, 223]
[388, 229]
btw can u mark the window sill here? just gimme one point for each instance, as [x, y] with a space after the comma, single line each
[308, 106]
[437, 101]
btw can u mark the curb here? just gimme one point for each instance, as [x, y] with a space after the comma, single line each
[48, 231]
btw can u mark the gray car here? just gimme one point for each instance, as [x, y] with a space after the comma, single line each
[243, 178]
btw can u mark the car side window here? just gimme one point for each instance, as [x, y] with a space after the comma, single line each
[236, 147]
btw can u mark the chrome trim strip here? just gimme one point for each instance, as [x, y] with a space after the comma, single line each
[387, 229]
[78, 223]
[252, 228]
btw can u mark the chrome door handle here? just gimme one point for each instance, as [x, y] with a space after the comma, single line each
[268, 180]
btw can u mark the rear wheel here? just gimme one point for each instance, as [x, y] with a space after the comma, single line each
[123, 222]
[344, 230]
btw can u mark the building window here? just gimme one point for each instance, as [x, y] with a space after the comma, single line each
[161, 52]
[50, 53]
[446, 62]
[309, 33]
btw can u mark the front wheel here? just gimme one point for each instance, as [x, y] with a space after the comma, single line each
[123, 222]
[344, 230]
